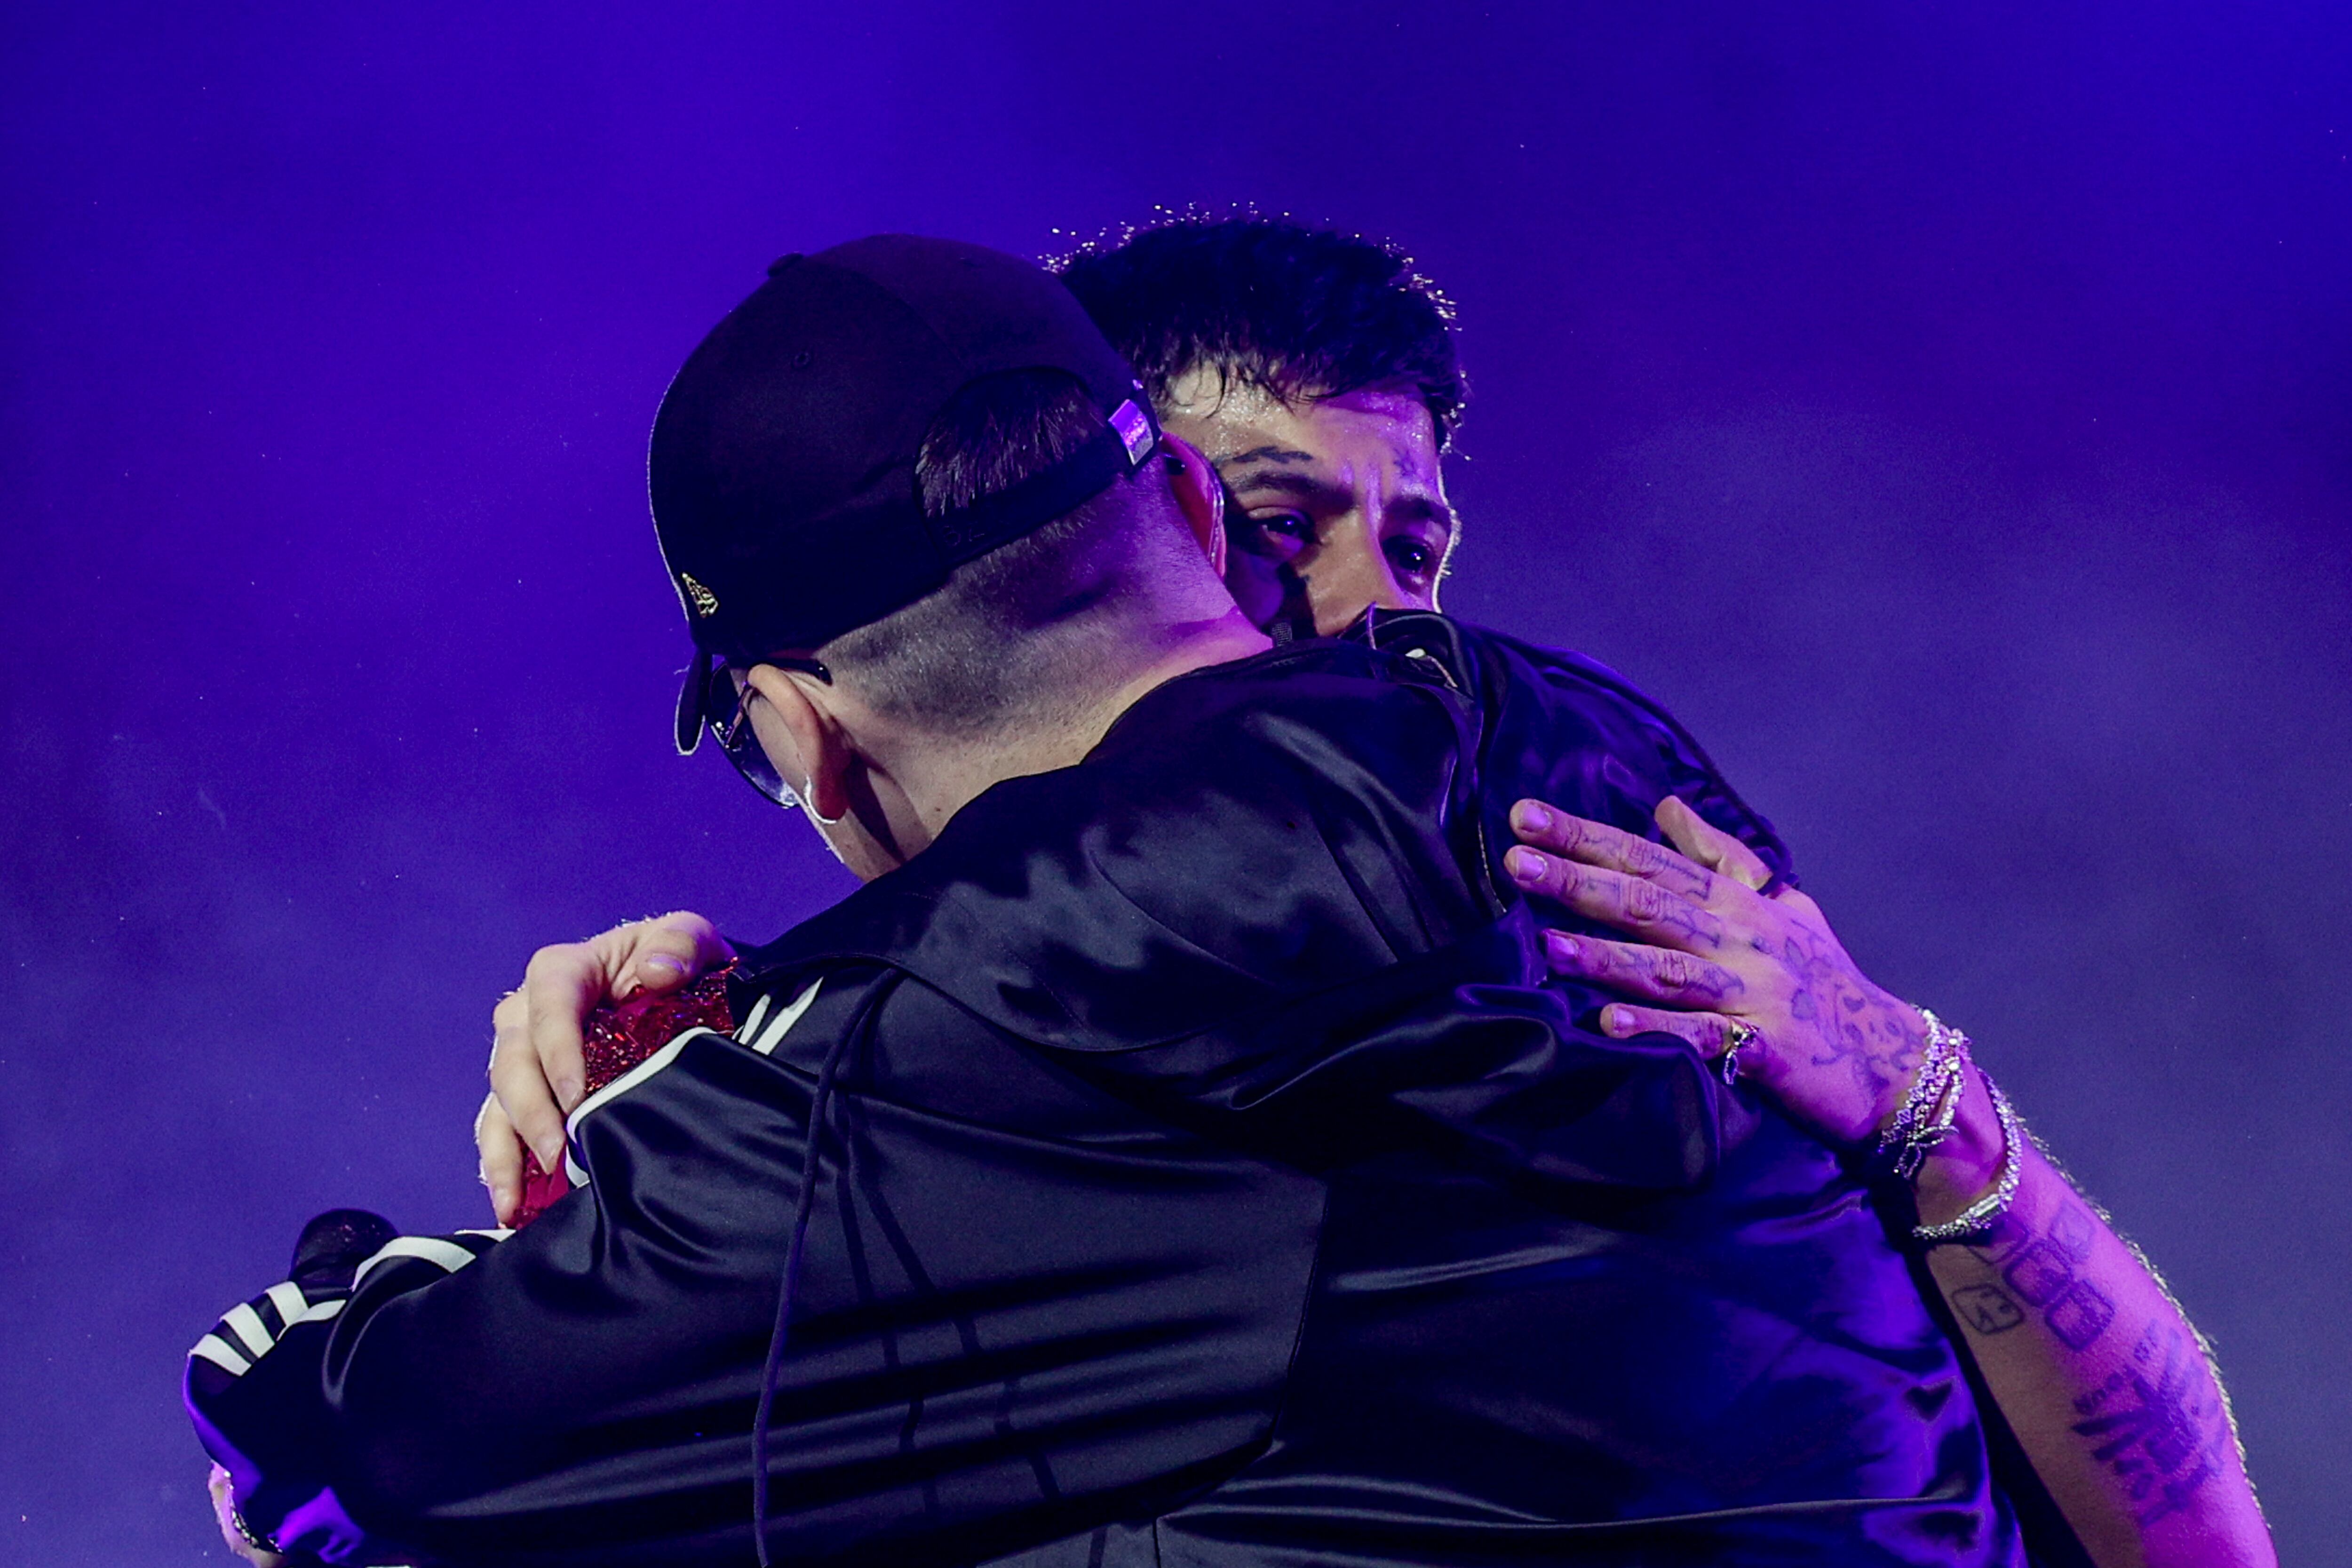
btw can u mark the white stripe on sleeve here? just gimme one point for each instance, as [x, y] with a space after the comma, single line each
[215, 1349]
[288, 1298]
[631, 1079]
[245, 1323]
[770, 1033]
[431, 1249]
[768, 1036]
[572, 1171]
[757, 1017]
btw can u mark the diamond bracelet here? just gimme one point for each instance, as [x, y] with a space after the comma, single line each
[1925, 1118]
[1979, 1216]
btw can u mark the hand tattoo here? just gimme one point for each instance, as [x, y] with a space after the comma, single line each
[1850, 1020]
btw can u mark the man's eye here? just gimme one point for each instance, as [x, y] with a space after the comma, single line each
[1282, 534]
[1411, 557]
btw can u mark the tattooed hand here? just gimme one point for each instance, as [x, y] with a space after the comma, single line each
[2107, 1386]
[1837, 1051]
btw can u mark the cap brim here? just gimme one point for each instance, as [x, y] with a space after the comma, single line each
[693, 703]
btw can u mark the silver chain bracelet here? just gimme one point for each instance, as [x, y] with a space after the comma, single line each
[1925, 1118]
[252, 1537]
[1978, 1218]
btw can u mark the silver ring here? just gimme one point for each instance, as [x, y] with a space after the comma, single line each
[1739, 1035]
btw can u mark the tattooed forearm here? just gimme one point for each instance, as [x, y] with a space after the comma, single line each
[2042, 1269]
[2114, 1398]
[1987, 1309]
[2158, 1424]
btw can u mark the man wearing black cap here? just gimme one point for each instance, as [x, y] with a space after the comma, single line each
[786, 491]
[1318, 374]
[1179, 1160]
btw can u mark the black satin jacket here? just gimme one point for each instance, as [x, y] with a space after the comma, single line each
[1206, 1176]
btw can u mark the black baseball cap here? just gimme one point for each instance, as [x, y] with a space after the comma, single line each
[782, 464]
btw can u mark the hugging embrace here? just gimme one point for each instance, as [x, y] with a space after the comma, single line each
[1305, 1079]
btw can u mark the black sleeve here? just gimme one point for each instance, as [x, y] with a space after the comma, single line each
[479, 1393]
[1597, 720]
[1453, 1050]
[1002, 1334]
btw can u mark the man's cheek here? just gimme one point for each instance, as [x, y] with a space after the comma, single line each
[1257, 585]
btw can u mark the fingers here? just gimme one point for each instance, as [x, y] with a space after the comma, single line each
[217, 1485]
[660, 955]
[1621, 901]
[1709, 846]
[1651, 973]
[501, 1147]
[538, 1067]
[1708, 1034]
[1597, 844]
[561, 986]
[519, 1082]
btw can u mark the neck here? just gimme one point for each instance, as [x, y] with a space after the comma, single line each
[940, 778]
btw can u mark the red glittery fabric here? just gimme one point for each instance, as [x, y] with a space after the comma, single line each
[617, 1038]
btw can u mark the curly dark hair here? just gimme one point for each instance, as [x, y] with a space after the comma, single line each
[1303, 312]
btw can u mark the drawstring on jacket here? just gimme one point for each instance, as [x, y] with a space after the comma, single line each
[818, 1103]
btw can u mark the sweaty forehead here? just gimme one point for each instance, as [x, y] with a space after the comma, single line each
[1243, 423]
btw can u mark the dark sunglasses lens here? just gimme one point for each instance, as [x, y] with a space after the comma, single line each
[733, 728]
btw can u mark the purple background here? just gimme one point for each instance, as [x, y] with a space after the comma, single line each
[1946, 408]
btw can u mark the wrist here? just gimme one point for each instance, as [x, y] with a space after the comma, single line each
[1965, 1165]
[1914, 1023]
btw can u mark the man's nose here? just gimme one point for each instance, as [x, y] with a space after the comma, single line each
[1350, 574]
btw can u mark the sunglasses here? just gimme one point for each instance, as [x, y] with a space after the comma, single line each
[728, 713]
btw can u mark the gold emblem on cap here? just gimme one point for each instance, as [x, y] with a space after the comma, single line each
[705, 601]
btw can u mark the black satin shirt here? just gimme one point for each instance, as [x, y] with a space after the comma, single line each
[1208, 1177]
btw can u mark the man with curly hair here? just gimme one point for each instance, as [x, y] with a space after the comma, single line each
[1317, 374]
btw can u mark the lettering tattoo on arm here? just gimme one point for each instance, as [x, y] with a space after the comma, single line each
[2158, 1424]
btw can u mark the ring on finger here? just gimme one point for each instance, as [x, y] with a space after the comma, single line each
[1738, 1036]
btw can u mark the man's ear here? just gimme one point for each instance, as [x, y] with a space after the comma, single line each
[1200, 494]
[804, 741]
